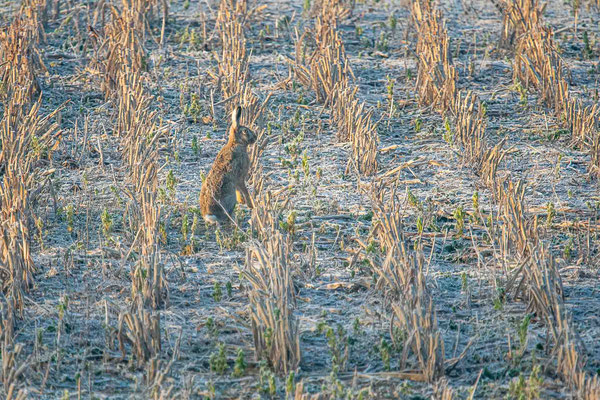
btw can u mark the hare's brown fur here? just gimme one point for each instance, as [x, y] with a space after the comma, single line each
[225, 184]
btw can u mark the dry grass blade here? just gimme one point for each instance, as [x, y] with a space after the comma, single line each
[252, 113]
[233, 60]
[470, 128]
[16, 262]
[517, 232]
[488, 166]
[401, 274]
[543, 287]
[120, 59]
[436, 88]
[141, 142]
[436, 76]
[356, 124]
[7, 324]
[20, 60]
[326, 68]
[327, 72]
[141, 330]
[583, 123]
[398, 269]
[263, 219]
[120, 47]
[272, 303]
[234, 64]
[442, 391]
[148, 277]
[424, 347]
[595, 155]
[538, 64]
[518, 17]
[12, 371]
[36, 12]
[26, 137]
[537, 280]
[157, 372]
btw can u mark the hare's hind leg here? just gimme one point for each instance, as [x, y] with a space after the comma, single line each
[211, 219]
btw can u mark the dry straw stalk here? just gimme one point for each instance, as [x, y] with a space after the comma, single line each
[272, 303]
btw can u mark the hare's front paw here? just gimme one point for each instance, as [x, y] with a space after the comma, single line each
[240, 197]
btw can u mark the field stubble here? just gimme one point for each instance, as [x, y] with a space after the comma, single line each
[132, 296]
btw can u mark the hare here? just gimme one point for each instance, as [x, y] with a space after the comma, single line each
[225, 185]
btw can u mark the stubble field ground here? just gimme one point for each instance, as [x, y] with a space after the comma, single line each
[83, 278]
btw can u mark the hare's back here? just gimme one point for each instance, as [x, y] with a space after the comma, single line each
[231, 163]
[220, 175]
[218, 189]
[224, 162]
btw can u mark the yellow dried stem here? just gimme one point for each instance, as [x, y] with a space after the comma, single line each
[141, 136]
[20, 59]
[539, 65]
[140, 329]
[26, 137]
[120, 49]
[401, 274]
[436, 76]
[583, 123]
[12, 371]
[272, 303]
[327, 72]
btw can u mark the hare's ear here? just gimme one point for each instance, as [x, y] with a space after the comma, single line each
[236, 117]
